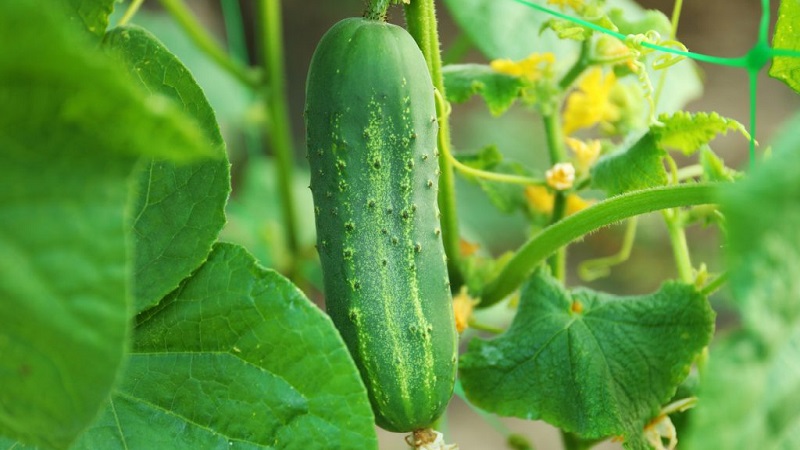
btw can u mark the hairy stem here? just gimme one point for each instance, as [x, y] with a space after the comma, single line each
[421, 23]
[271, 40]
[590, 219]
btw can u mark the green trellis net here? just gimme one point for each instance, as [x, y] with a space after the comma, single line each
[759, 55]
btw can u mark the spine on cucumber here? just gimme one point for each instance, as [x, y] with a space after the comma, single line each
[371, 134]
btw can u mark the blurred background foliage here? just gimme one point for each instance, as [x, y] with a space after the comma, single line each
[718, 27]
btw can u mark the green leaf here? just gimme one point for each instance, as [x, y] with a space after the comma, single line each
[73, 128]
[462, 81]
[590, 363]
[237, 356]
[91, 14]
[786, 37]
[749, 395]
[637, 167]
[688, 132]
[180, 209]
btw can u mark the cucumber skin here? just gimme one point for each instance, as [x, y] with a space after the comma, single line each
[371, 135]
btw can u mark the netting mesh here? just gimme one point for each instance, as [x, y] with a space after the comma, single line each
[759, 55]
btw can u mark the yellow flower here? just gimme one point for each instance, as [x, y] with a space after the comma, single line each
[576, 203]
[462, 308]
[531, 68]
[590, 103]
[540, 199]
[574, 4]
[561, 176]
[586, 152]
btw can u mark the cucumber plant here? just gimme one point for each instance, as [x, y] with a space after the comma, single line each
[128, 321]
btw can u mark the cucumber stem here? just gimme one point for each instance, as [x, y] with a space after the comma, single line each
[421, 24]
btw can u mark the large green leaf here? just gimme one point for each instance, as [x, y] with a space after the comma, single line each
[638, 166]
[590, 363]
[237, 356]
[749, 396]
[73, 127]
[180, 209]
[786, 37]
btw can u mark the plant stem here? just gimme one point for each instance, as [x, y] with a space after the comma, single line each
[234, 30]
[715, 284]
[271, 38]
[680, 248]
[555, 142]
[593, 269]
[590, 219]
[421, 23]
[577, 69]
[555, 145]
[130, 12]
[198, 34]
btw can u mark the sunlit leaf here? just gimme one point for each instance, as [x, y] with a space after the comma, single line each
[688, 132]
[787, 37]
[590, 363]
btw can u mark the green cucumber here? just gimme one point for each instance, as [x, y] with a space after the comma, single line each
[371, 134]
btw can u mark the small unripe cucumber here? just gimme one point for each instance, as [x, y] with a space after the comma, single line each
[371, 133]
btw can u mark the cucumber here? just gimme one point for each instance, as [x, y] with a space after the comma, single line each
[371, 134]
